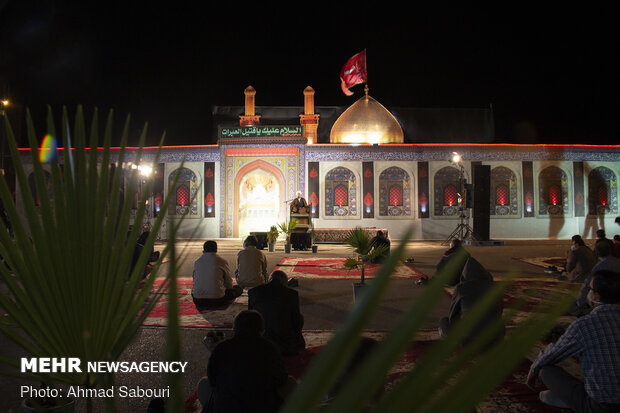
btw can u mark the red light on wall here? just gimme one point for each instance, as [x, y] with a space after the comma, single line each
[602, 195]
[396, 195]
[450, 195]
[341, 196]
[183, 195]
[555, 194]
[501, 195]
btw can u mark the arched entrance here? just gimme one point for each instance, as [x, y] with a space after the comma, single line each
[259, 191]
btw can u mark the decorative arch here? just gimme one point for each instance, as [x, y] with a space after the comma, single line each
[184, 199]
[394, 192]
[340, 192]
[245, 170]
[446, 184]
[602, 192]
[553, 193]
[504, 192]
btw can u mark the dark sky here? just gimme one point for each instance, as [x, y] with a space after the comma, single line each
[547, 72]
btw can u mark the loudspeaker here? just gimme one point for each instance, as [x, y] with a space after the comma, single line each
[262, 239]
[301, 240]
[482, 196]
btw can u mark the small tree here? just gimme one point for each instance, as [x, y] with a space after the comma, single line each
[362, 245]
[287, 229]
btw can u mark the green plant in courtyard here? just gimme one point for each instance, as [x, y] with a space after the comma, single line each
[272, 235]
[287, 228]
[362, 245]
[69, 290]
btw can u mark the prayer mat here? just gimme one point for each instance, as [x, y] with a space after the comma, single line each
[544, 262]
[333, 268]
[189, 316]
[523, 296]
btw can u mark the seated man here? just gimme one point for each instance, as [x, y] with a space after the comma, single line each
[579, 261]
[378, 241]
[279, 306]
[595, 338]
[251, 264]
[475, 282]
[606, 261]
[299, 204]
[457, 255]
[246, 372]
[212, 284]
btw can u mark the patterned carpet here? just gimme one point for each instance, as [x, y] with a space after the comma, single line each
[333, 268]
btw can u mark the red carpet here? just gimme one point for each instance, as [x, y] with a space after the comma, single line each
[512, 395]
[544, 262]
[333, 268]
[188, 315]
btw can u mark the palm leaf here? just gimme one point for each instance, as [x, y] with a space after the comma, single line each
[70, 291]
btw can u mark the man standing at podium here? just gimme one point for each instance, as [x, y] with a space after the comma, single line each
[299, 204]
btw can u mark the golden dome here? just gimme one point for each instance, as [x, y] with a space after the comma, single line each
[366, 121]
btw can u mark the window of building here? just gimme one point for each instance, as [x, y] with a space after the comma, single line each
[602, 192]
[185, 192]
[446, 184]
[394, 192]
[340, 192]
[553, 192]
[504, 192]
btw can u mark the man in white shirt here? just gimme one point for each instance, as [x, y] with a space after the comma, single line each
[212, 286]
[251, 265]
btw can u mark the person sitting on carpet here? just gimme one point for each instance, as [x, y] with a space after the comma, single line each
[246, 372]
[279, 306]
[458, 260]
[602, 237]
[212, 284]
[475, 282]
[606, 261]
[380, 241]
[579, 261]
[251, 264]
[139, 246]
[595, 338]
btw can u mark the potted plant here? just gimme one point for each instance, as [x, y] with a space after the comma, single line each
[272, 236]
[362, 245]
[287, 229]
[72, 289]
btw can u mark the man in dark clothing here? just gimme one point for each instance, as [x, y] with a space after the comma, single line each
[457, 256]
[475, 282]
[246, 372]
[279, 306]
[602, 237]
[380, 241]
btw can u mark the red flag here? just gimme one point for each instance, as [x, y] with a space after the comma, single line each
[353, 72]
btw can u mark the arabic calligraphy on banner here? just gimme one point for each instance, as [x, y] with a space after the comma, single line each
[270, 131]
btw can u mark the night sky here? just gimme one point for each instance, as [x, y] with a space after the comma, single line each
[547, 72]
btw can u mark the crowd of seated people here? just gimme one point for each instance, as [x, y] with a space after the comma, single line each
[246, 371]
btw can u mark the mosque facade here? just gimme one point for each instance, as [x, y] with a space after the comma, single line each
[363, 170]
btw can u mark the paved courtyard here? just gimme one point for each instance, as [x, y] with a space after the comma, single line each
[324, 304]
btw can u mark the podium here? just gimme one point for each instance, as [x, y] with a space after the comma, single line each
[300, 236]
